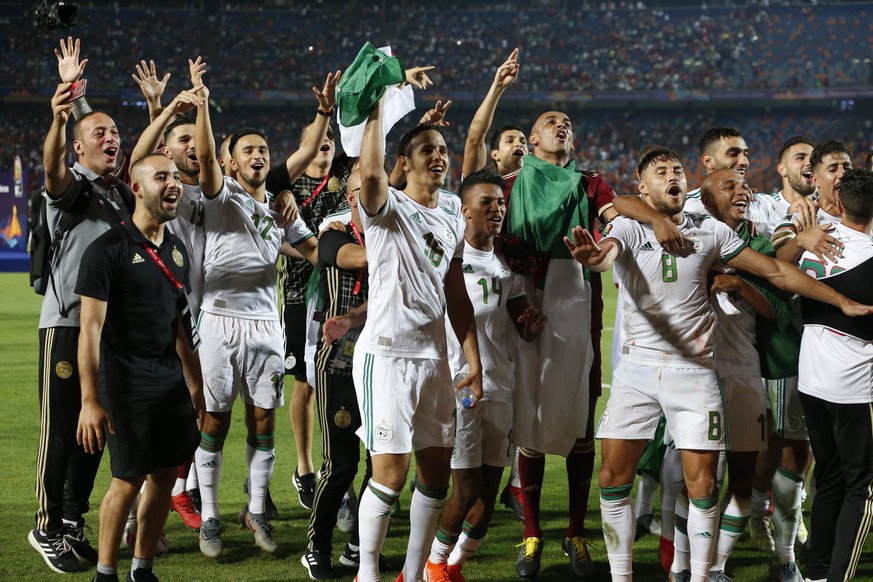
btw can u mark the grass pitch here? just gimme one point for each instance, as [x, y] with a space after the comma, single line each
[242, 561]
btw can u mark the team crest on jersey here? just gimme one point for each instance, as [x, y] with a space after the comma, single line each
[383, 433]
[504, 272]
[697, 243]
[468, 268]
[177, 257]
[449, 235]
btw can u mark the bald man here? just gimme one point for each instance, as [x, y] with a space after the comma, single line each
[149, 392]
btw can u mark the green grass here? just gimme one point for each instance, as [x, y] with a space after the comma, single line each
[242, 561]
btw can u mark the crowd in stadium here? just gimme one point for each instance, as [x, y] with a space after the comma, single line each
[182, 217]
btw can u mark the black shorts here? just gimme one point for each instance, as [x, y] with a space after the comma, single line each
[152, 430]
[295, 338]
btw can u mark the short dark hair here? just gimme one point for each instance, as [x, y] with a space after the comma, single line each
[714, 134]
[655, 153]
[241, 133]
[79, 121]
[484, 176]
[821, 150]
[495, 137]
[793, 141]
[179, 120]
[856, 194]
[405, 147]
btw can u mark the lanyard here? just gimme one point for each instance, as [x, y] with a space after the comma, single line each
[317, 191]
[154, 255]
[360, 241]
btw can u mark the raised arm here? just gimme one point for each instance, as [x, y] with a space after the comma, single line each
[70, 70]
[297, 162]
[92, 417]
[732, 284]
[475, 149]
[151, 86]
[151, 136]
[57, 175]
[790, 278]
[211, 179]
[374, 181]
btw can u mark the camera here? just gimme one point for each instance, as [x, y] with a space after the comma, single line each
[51, 15]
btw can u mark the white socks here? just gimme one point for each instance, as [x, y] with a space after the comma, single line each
[619, 528]
[374, 513]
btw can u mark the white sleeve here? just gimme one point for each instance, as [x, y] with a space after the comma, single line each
[297, 232]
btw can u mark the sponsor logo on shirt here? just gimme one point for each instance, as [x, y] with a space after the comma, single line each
[647, 247]
[137, 259]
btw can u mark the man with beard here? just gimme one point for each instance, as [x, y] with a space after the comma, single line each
[809, 230]
[239, 320]
[667, 363]
[132, 283]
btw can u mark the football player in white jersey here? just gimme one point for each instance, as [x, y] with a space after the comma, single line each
[720, 147]
[667, 363]
[743, 306]
[239, 320]
[415, 242]
[836, 359]
[483, 437]
[807, 231]
[787, 443]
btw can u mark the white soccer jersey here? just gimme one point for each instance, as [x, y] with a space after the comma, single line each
[409, 249]
[767, 212]
[735, 353]
[490, 285]
[666, 315]
[835, 366]
[188, 226]
[242, 246]
[694, 203]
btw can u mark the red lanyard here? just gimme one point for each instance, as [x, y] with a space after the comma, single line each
[360, 241]
[318, 190]
[154, 255]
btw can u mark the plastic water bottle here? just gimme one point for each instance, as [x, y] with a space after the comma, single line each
[465, 395]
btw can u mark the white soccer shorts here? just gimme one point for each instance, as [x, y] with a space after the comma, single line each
[241, 357]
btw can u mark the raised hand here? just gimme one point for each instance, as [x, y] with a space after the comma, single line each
[417, 76]
[507, 73]
[196, 69]
[69, 67]
[585, 249]
[327, 96]
[147, 78]
[187, 100]
[437, 115]
[62, 107]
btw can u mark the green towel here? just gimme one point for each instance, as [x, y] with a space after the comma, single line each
[364, 83]
[547, 202]
[777, 342]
